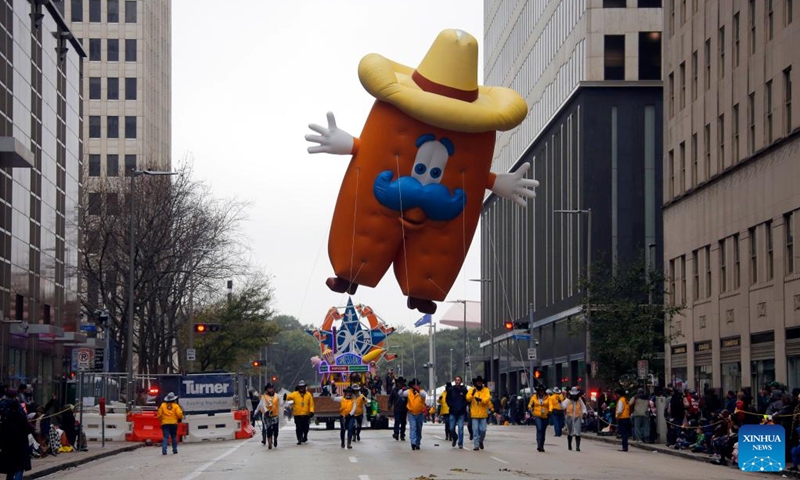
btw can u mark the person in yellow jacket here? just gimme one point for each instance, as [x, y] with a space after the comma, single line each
[623, 417]
[269, 410]
[347, 414]
[574, 409]
[361, 401]
[415, 403]
[479, 400]
[556, 411]
[302, 410]
[444, 414]
[169, 415]
[540, 409]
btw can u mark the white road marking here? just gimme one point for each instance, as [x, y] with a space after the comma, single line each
[363, 477]
[498, 459]
[204, 467]
[353, 459]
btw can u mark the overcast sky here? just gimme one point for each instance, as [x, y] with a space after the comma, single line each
[247, 79]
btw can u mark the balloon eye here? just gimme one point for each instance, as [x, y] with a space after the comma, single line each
[420, 168]
[436, 172]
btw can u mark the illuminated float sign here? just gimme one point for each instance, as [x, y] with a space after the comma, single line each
[344, 363]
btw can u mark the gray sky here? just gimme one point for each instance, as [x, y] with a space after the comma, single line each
[248, 77]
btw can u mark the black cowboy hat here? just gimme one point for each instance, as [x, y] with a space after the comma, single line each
[400, 380]
[477, 379]
[414, 382]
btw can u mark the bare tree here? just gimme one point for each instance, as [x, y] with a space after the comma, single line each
[186, 243]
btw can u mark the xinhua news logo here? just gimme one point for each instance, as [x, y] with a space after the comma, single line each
[762, 448]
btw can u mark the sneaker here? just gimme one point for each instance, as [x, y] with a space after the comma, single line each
[481, 445]
[454, 441]
[475, 449]
[461, 447]
[174, 452]
[394, 435]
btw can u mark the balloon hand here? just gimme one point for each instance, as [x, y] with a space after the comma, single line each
[330, 139]
[515, 187]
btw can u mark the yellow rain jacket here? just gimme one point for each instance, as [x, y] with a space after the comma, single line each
[479, 402]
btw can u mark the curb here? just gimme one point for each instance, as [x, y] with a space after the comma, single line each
[75, 463]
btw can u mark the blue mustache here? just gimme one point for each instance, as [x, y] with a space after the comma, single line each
[407, 192]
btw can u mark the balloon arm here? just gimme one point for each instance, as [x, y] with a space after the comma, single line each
[514, 186]
[331, 139]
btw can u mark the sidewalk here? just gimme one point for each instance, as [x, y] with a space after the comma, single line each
[54, 464]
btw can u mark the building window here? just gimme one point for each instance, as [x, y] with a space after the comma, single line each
[787, 95]
[649, 55]
[753, 256]
[614, 57]
[708, 64]
[694, 160]
[723, 273]
[695, 276]
[94, 11]
[94, 126]
[789, 12]
[787, 225]
[736, 39]
[95, 88]
[130, 163]
[130, 127]
[113, 50]
[682, 178]
[770, 252]
[752, 26]
[130, 11]
[94, 165]
[683, 278]
[130, 49]
[112, 126]
[721, 141]
[672, 17]
[614, 3]
[735, 133]
[112, 165]
[736, 263]
[770, 21]
[95, 204]
[707, 145]
[113, 11]
[94, 49]
[683, 12]
[751, 135]
[671, 173]
[708, 270]
[672, 291]
[768, 111]
[649, 4]
[130, 88]
[694, 75]
[113, 88]
[682, 77]
[76, 13]
[112, 203]
[671, 95]
[721, 47]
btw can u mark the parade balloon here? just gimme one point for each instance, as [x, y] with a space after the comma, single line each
[412, 194]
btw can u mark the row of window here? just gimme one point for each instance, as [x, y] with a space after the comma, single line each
[677, 187]
[769, 21]
[112, 88]
[112, 126]
[112, 49]
[649, 56]
[96, 11]
[112, 165]
[111, 203]
[729, 255]
[639, 3]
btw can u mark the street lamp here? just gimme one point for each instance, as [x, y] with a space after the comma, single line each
[463, 302]
[587, 315]
[131, 266]
[492, 371]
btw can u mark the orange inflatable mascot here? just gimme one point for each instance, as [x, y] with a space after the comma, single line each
[412, 194]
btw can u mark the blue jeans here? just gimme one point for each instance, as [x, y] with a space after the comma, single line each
[170, 431]
[478, 431]
[415, 427]
[558, 421]
[541, 429]
[458, 420]
[624, 428]
[347, 424]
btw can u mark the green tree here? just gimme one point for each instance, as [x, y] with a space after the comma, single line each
[289, 357]
[629, 320]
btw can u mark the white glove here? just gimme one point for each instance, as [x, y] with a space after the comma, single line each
[331, 139]
[515, 187]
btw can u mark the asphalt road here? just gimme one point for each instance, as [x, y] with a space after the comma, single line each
[510, 453]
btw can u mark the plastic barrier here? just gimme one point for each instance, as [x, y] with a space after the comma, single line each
[117, 427]
[145, 426]
[246, 430]
[206, 428]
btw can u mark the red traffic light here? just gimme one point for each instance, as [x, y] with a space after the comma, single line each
[200, 327]
[152, 391]
[509, 325]
[537, 373]
[256, 363]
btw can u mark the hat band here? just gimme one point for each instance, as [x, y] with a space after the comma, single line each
[439, 89]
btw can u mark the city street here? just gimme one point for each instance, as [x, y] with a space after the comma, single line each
[510, 453]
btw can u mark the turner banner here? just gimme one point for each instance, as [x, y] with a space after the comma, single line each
[207, 393]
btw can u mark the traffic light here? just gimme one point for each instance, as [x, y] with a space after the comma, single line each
[206, 327]
[153, 391]
[537, 373]
[509, 325]
[521, 325]
[274, 379]
[256, 363]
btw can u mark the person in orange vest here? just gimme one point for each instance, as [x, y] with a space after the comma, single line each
[556, 411]
[169, 414]
[415, 402]
[268, 410]
[347, 412]
[479, 400]
[574, 409]
[623, 417]
[540, 409]
[361, 400]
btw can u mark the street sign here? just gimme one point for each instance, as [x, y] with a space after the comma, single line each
[99, 359]
[522, 336]
[190, 354]
[642, 368]
[532, 353]
[88, 327]
[85, 358]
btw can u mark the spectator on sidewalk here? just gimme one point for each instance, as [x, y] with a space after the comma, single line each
[15, 456]
[640, 414]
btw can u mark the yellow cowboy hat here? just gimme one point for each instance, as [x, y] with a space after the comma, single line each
[443, 91]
